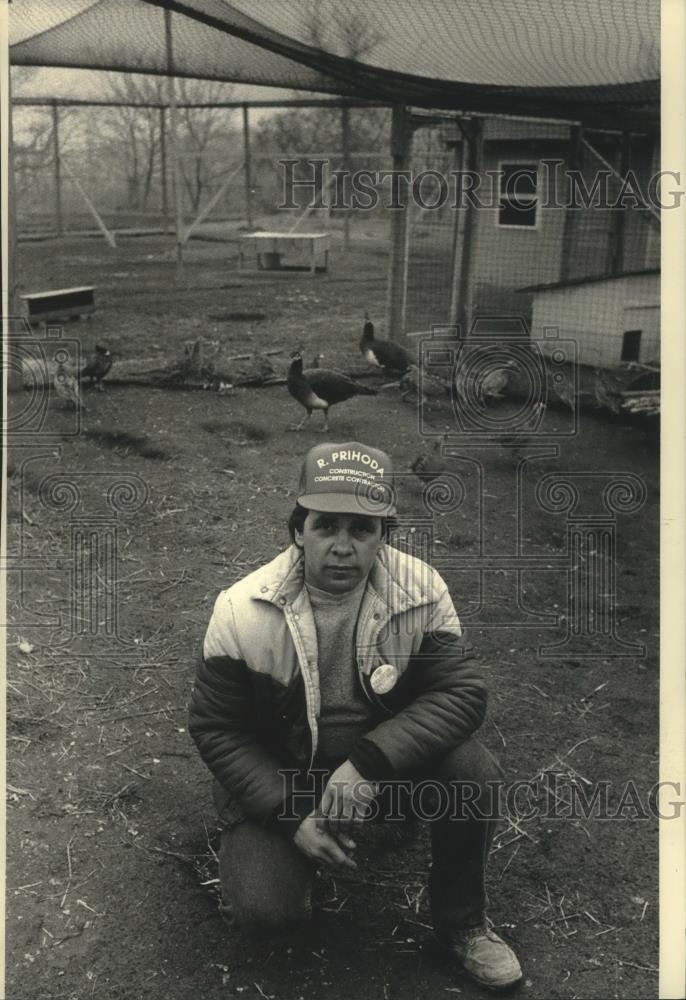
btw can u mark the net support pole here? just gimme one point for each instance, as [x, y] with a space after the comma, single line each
[571, 212]
[10, 311]
[347, 187]
[109, 236]
[247, 167]
[463, 301]
[57, 170]
[216, 197]
[461, 164]
[163, 169]
[401, 153]
[618, 230]
[173, 138]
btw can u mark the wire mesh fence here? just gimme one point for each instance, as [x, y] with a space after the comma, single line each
[519, 218]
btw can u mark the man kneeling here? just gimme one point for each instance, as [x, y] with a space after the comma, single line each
[329, 676]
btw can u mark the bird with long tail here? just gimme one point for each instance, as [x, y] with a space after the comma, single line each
[320, 388]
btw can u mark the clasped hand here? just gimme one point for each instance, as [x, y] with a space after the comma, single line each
[324, 835]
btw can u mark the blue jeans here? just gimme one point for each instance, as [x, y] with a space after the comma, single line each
[267, 882]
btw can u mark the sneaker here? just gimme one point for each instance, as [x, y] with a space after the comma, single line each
[485, 957]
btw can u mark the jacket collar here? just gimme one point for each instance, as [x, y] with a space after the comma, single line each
[399, 581]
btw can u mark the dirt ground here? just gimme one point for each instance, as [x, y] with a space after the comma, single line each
[111, 872]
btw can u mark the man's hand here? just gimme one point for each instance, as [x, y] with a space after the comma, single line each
[317, 843]
[347, 799]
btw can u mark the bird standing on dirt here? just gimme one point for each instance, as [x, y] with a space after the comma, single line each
[431, 466]
[564, 390]
[481, 386]
[606, 391]
[422, 384]
[383, 353]
[67, 387]
[320, 388]
[524, 435]
[98, 366]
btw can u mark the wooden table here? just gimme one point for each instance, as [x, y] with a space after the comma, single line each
[269, 247]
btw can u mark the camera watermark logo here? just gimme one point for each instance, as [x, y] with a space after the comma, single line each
[499, 360]
[48, 367]
[86, 512]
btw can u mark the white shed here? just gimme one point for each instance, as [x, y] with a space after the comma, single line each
[611, 319]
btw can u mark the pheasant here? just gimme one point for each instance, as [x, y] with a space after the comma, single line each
[431, 466]
[422, 385]
[480, 386]
[606, 391]
[383, 353]
[67, 387]
[320, 388]
[98, 366]
[525, 434]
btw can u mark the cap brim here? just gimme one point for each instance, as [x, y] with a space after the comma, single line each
[346, 503]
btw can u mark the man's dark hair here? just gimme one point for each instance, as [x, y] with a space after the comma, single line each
[297, 520]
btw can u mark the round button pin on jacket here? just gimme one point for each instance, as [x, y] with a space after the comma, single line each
[383, 678]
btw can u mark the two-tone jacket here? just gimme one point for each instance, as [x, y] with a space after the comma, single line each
[256, 702]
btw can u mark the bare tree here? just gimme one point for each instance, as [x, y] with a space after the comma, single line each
[353, 36]
[135, 132]
[206, 136]
[340, 32]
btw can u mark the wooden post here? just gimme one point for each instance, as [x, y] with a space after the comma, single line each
[57, 170]
[618, 228]
[651, 244]
[571, 212]
[163, 170]
[401, 152]
[464, 300]
[173, 139]
[347, 189]
[455, 256]
[247, 166]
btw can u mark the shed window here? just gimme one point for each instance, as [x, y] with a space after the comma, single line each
[518, 195]
[631, 345]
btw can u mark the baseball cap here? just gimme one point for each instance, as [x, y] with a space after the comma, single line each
[348, 478]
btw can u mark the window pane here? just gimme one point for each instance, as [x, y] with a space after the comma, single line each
[513, 213]
[518, 180]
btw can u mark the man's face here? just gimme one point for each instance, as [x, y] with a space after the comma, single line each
[339, 549]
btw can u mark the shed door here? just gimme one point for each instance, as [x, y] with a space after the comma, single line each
[640, 333]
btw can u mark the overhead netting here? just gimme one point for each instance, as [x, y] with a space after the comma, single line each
[567, 58]
[529, 71]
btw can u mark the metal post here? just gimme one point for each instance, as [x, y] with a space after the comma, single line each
[173, 139]
[163, 170]
[456, 237]
[345, 147]
[571, 212]
[465, 296]
[247, 165]
[401, 150]
[57, 170]
[618, 229]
